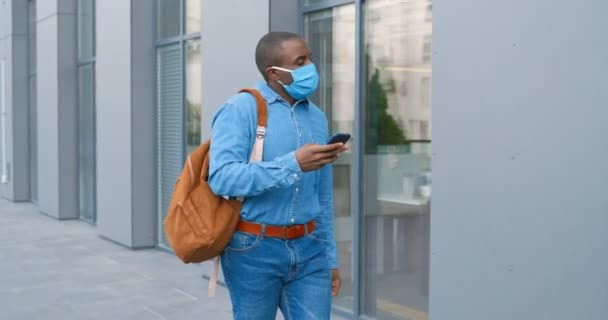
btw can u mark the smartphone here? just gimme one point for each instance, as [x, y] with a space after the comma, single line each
[339, 137]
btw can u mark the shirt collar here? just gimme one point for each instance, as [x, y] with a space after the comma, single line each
[270, 95]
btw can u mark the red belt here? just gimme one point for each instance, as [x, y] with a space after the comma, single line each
[283, 232]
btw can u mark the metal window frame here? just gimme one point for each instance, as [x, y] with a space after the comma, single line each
[31, 75]
[180, 40]
[358, 147]
[323, 5]
[81, 63]
[358, 159]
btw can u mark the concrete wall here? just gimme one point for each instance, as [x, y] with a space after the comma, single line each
[56, 92]
[228, 51]
[143, 123]
[13, 49]
[284, 16]
[228, 65]
[125, 122]
[519, 214]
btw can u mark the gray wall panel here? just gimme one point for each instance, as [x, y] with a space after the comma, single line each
[143, 57]
[228, 51]
[5, 14]
[68, 115]
[114, 144]
[285, 15]
[47, 92]
[228, 55]
[519, 216]
[5, 18]
[17, 20]
[66, 6]
[14, 52]
[7, 167]
[18, 107]
[57, 147]
[46, 8]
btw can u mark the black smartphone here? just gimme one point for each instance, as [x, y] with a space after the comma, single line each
[339, 137]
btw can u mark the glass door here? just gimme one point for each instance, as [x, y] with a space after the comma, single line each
[397, 159]
[330, 34]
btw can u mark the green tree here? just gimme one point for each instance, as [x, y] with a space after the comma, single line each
[381, 127]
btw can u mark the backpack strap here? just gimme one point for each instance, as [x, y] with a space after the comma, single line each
[260, 133]
[256, 155]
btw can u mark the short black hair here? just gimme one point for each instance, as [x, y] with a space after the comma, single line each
[267, 53]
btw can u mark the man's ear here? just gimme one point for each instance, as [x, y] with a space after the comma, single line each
[271, 74]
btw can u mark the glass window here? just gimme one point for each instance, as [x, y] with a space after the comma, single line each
[331, 37]
[169, 18]
[193, 95]
[309, 2]
[86, 137]
[193, 16]
[86, 29]
[397, 159]
[170, 126]
[179, 94]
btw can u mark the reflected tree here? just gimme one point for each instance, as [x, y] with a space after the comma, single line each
[382, 128]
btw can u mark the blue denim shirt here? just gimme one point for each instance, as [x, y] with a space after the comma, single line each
[276, 190]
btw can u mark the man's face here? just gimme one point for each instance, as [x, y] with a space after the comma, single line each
[293, 54]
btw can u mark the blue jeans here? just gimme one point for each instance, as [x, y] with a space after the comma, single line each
[263, 274]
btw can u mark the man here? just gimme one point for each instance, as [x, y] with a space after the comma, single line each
[283, 254]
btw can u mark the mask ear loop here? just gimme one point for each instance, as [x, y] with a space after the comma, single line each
[281, 69]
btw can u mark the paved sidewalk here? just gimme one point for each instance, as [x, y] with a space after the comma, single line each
[52, 269]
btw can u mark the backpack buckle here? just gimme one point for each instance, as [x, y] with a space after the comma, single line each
[260, 132]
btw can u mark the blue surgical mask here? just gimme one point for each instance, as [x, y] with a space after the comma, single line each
[305, 81]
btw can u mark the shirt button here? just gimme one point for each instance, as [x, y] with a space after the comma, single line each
[297, 189]
[295, 175]
[293, 220]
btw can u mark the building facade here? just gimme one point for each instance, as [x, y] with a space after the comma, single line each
[102, 101]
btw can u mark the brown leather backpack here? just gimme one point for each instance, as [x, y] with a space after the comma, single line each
[199, 224]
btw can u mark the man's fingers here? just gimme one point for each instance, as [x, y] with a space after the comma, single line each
[335, 287]
[321, 148]
[328, 159]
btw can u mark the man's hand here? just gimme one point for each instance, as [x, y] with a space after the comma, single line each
[314, 156]
[336, 282]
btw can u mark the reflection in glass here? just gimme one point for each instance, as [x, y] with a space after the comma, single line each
[193, 16]
[86, 33]
[193, 95]
[331, 37]
[397, 161]
[86, 141]
[169, 18]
